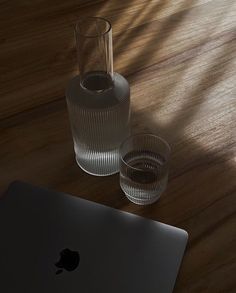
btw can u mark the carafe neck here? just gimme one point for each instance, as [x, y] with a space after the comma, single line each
[95, 55]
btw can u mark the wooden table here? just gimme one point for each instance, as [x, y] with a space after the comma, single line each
[179, 57]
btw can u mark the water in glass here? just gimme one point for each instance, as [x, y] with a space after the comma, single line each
[143, 176]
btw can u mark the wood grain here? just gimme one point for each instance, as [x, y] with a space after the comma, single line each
[179, 57]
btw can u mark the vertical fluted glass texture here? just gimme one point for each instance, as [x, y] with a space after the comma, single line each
[98, 101]
[144, 160]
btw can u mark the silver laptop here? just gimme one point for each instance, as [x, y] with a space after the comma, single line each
[53, 242]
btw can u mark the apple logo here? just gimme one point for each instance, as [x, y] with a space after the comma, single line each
[69, 260]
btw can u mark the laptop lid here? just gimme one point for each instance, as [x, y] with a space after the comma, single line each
[53, 242]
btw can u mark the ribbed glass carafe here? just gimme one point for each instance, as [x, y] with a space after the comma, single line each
[98, 100]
